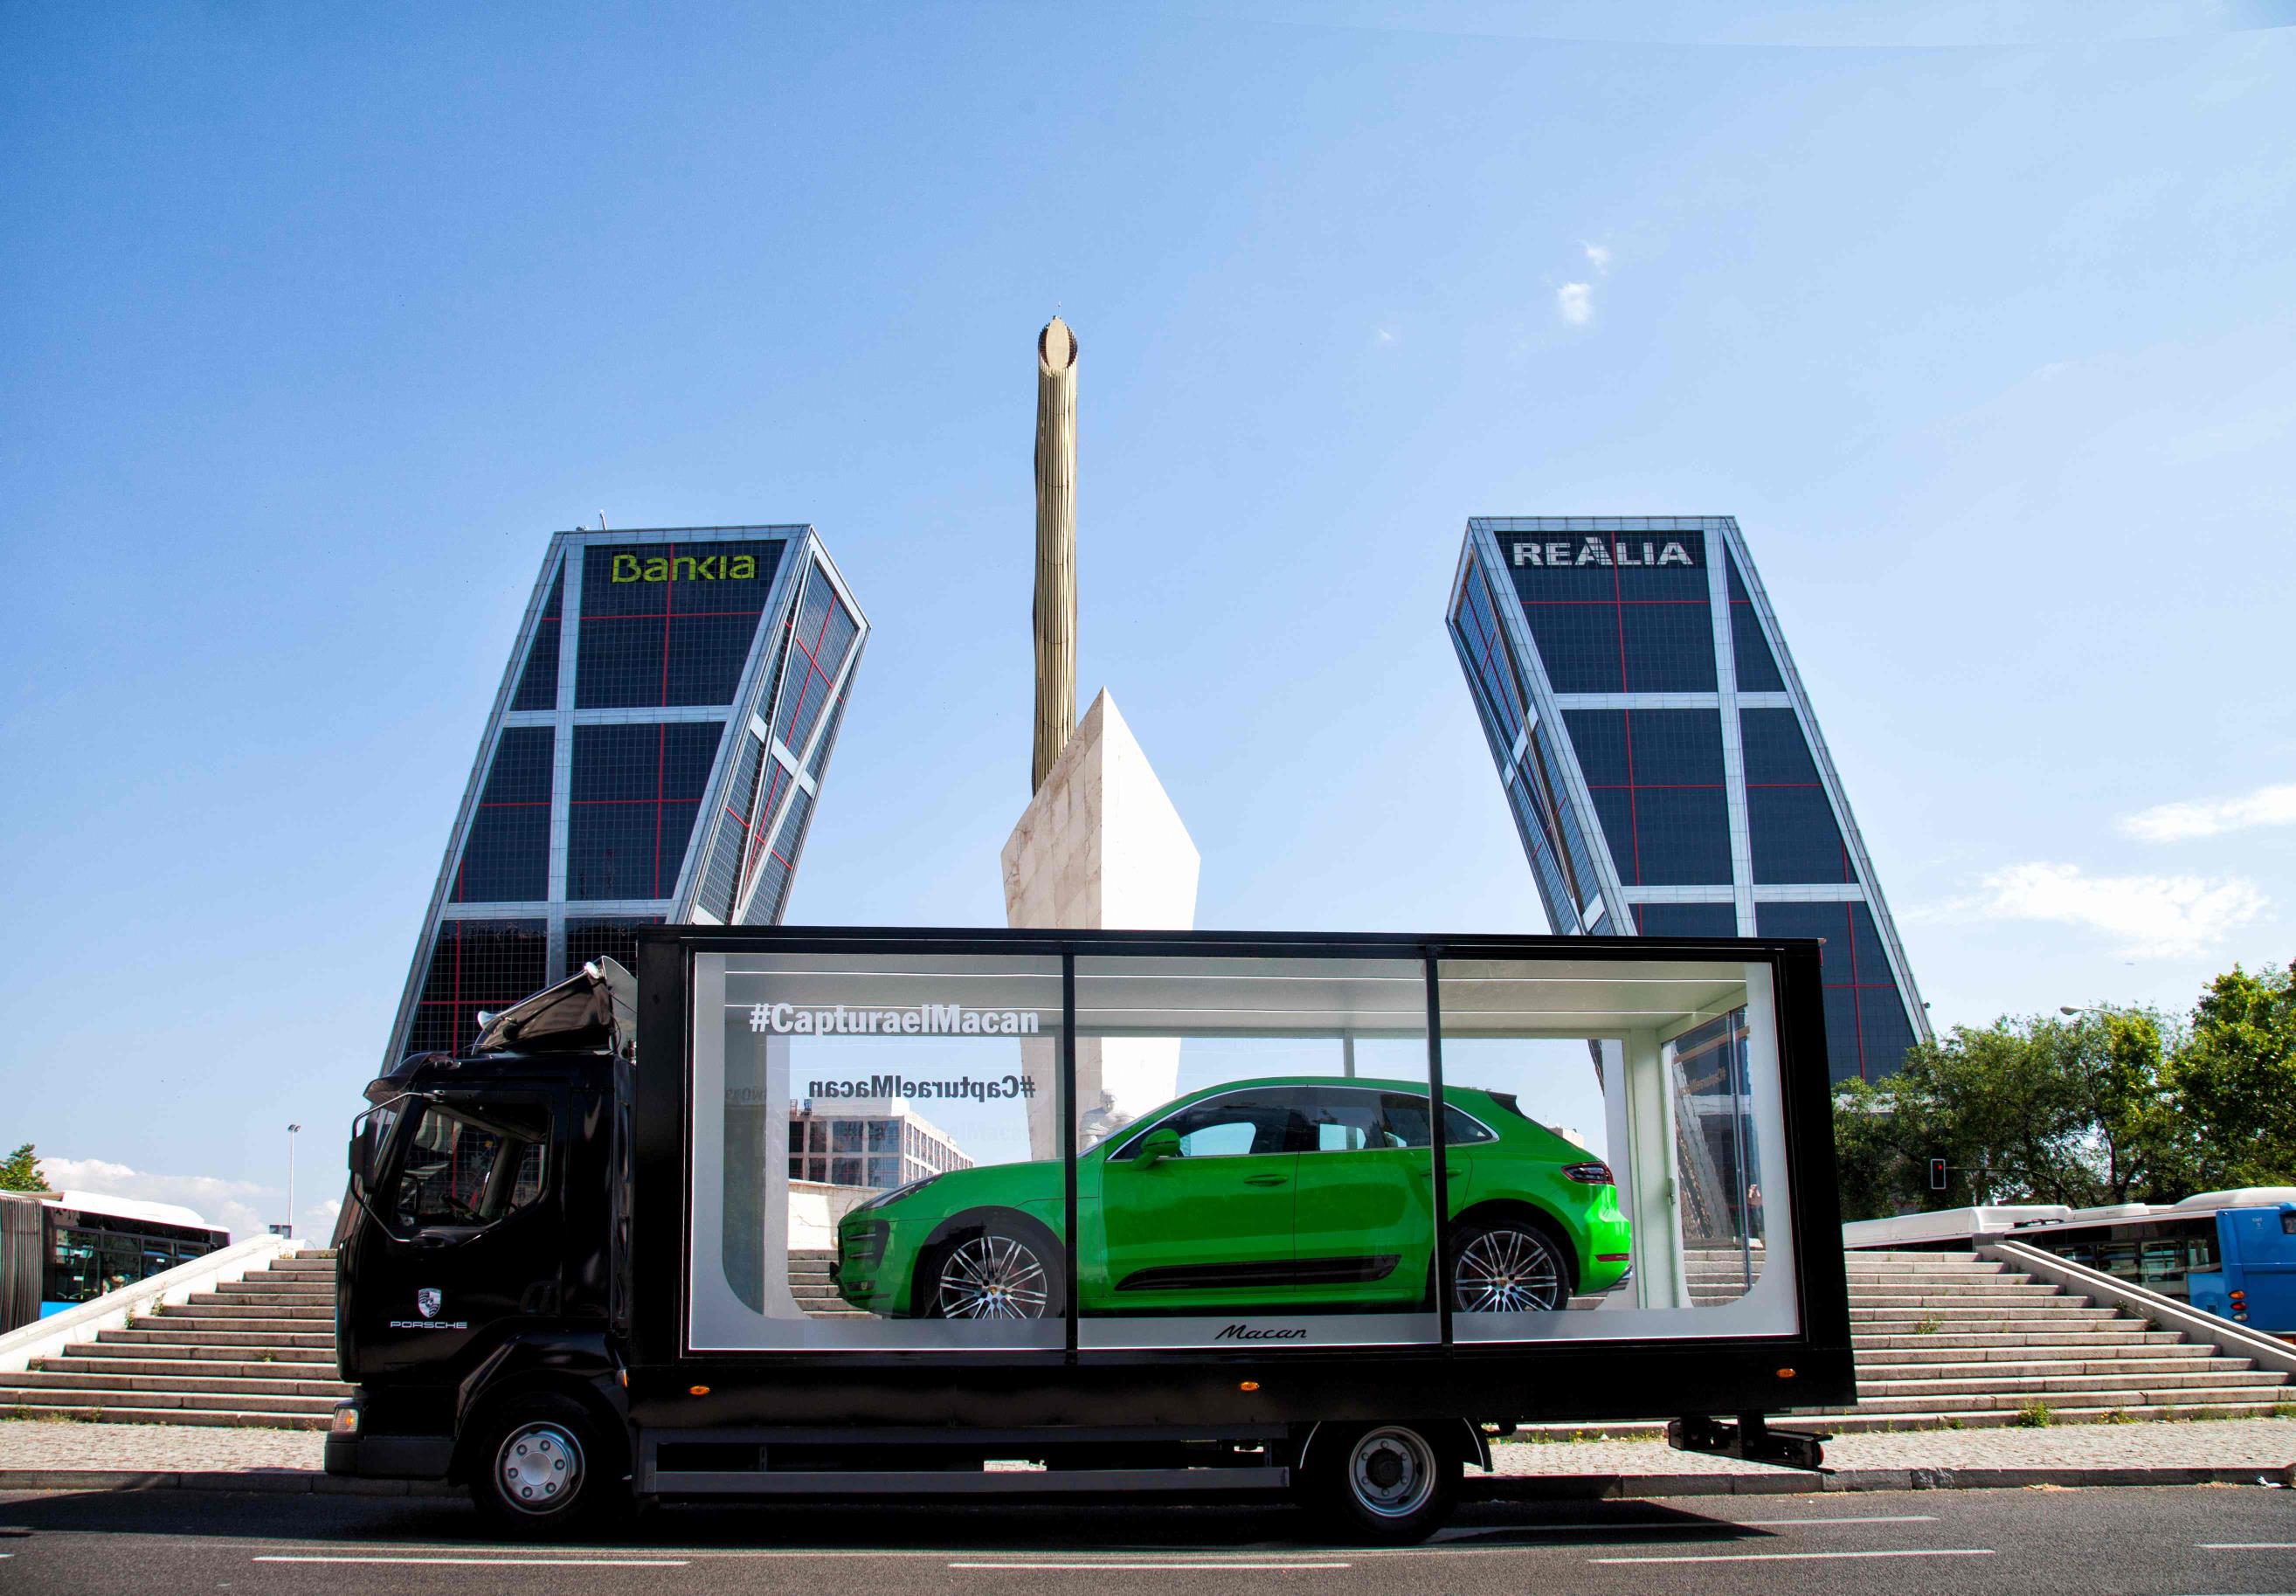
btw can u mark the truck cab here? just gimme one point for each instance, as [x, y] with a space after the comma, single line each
[474, 1248]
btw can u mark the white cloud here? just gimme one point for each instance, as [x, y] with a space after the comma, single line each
[2210, 817]
[1574, 302]
[1382, 336]
[1598, 256]
[218, 1201]
[2152, 917]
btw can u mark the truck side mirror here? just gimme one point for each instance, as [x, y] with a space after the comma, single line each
[1155, 1147]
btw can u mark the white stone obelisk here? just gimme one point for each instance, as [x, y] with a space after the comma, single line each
[1100, 845]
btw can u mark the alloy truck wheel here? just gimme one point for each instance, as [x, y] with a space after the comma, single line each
[996, 1274]
[1385, 1483]
[1507, 1266]
[542, 1467]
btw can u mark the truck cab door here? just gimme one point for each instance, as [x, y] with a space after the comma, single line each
[467, 1232]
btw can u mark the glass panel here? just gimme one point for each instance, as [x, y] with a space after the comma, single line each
[1255, 1164]
[935, 1203]
[459, 1171]
[1634, 1120]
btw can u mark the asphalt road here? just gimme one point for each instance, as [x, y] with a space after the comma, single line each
[2169, 1541]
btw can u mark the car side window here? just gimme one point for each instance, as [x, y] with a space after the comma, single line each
[1233, 1127]
[1407, 1119]
[461, 1172]
[1339, 1120]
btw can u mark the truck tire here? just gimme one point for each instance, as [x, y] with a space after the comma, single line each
[545, 1468]
[1007, 1269]
[1389, 1484]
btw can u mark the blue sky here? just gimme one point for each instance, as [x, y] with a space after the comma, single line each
[318, 321]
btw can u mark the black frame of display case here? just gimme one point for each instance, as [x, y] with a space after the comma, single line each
[672, 1387]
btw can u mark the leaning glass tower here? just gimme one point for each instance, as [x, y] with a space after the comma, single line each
[1661, 758]
[654, 755]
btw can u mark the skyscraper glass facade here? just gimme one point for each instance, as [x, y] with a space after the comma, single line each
[654, 755]
[1659, 757]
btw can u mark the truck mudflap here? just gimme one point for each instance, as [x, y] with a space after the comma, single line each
[1753, 1439]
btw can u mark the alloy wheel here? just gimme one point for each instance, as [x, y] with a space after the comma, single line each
[994, 1277]
[1507, 1271]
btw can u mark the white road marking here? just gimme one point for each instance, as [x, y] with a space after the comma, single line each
[485, 1562]
[1137, 1568]
[2247, 1546]
[1797, 1523]
[1801, 1557]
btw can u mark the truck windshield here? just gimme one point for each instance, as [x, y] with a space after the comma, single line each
[461, 1170]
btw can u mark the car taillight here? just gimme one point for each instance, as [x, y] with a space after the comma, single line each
[1596, 1173]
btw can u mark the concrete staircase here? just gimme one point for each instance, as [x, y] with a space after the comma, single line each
[1949, 1338]
[257, 1352]
[816, 1295]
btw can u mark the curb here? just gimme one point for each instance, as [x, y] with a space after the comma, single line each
[264, 1482]
[1535, 1487]
[1497, 1487]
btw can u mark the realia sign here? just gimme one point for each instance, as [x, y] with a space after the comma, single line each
[1589, 549]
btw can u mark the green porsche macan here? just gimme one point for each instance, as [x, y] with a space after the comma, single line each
[1292, 1192]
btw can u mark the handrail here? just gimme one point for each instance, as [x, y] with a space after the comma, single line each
[44, 1337]
[2266, 1352]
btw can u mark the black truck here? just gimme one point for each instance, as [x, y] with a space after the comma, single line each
[824, 1212]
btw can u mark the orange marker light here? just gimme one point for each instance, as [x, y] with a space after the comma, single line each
[1249, 1385]
[1785, 1374]
[697, 1390]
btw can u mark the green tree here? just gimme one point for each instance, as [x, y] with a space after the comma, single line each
[2233, 1081]
[2023, 1110]
[20, 1171]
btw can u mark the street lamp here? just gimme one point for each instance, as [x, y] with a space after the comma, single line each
[290, 1180]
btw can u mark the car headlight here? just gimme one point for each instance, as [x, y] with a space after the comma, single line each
[895, 1195]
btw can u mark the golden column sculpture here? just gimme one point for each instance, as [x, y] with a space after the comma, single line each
[1056, 584]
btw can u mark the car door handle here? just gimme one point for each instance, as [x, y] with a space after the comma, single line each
[1265, 1179]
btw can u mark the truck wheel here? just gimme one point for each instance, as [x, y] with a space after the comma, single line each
[1000, 1271]
[543, 1466]
[1385, 1483]
[1507, 1265]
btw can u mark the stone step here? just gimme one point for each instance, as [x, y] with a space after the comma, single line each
[187, 1371]
[2017, 1386]
[1922, 1358]
[1943, 1296]
[2093, 1394]
[36, 1397]
[2105, 1413]
[211, 1307]
[176, 1335]
[78, 1380]
[201, 1352]
[2110, 1334]
[2073, 1311]
[262, 1291]
[238, 1324]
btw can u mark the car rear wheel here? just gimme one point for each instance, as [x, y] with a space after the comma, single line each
[998, 1273]
[1507, 1266]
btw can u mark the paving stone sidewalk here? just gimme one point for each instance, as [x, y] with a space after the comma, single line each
[2261, 1443]
[2231, 1443]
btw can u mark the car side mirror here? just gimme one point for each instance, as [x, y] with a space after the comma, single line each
[1155, 1147]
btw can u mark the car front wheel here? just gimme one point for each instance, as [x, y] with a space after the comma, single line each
[998, 1272]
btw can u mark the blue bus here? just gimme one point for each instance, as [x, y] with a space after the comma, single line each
[2232, 1254]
